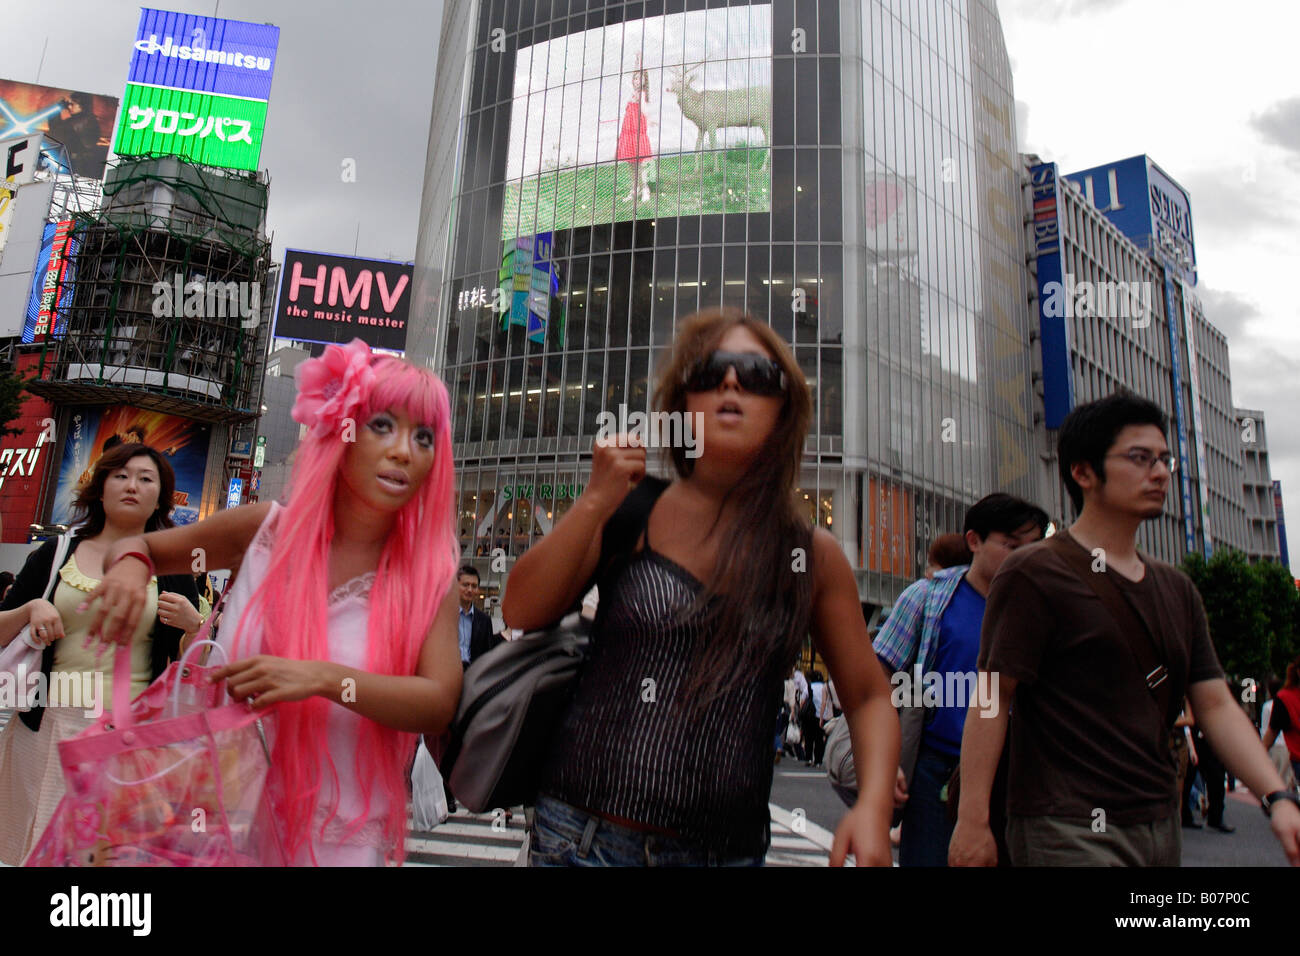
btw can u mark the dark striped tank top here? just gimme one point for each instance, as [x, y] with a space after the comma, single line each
[631, 748]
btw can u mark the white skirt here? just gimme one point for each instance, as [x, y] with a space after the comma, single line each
[31, 778]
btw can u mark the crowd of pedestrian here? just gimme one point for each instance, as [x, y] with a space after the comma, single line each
[1033, 700]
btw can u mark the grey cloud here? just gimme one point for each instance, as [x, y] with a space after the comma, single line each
[1232, 201]
[1231, 313]
[1280, 124]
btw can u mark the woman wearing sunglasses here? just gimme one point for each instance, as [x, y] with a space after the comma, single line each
[665, 755]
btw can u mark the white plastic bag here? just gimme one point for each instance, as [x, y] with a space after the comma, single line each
[428, 798]
[19, 658]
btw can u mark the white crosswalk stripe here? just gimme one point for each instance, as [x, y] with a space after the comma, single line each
[482, 839]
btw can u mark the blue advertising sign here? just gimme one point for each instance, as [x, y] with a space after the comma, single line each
[1180, 414]
[186, 51]
[1281, 524]
[1054, 323]
[51, 283]
[1147, 205]
[235, 493]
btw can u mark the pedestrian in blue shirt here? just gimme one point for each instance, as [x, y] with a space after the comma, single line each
[930, 643]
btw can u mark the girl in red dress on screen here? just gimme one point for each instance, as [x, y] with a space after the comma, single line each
[634, 137]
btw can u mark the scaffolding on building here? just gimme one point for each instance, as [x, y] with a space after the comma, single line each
[170, 294]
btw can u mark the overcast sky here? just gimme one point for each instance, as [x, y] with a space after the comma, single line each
[1211, 93]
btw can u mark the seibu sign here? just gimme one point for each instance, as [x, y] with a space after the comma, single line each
[334, 299]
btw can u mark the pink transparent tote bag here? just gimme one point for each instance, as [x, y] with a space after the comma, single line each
[177, 778]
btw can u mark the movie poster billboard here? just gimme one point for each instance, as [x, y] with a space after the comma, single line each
[664, 116]
[90, 431]
[78, 126]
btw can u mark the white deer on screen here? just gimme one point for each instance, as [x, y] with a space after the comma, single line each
[715, 110]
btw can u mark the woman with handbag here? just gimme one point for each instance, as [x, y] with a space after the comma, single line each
[665, 754]
[343, 613]
[129, 493]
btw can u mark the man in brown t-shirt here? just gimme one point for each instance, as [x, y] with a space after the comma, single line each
[1092, 780]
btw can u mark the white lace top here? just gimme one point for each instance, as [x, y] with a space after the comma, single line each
[349, 609]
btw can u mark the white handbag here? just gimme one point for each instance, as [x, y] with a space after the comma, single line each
[22, 656]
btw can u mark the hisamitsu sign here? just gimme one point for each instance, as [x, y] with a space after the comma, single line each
[334, 299]
[185, 51]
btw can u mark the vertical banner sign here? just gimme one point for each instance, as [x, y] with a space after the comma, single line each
[51, 282]
[198, 87]
[1180, 407]
[1194, 379]
[235, 493]
[1054, 321]
[1281, 524]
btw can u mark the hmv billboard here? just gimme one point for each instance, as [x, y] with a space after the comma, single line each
[334, 299]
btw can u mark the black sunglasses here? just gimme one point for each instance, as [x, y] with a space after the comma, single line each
[757, 374]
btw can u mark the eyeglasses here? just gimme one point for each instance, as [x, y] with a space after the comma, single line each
[1145, 458]
[756, 374]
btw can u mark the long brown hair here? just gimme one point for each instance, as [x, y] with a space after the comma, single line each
[755, 603]
[89, 504]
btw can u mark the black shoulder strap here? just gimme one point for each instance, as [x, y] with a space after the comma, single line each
[625, 525]
[1147, 652]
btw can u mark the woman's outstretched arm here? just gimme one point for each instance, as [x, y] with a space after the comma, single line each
[212, 544]
[549, 578]
[423, 703]
[840, 631]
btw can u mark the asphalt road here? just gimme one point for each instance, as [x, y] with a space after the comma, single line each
[796, 787]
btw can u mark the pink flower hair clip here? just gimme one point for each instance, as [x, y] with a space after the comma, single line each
[332, 388]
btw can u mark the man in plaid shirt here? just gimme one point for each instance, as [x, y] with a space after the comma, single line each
[934, 629]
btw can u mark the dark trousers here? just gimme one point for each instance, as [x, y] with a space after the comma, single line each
[814, 740]
[1215, 777]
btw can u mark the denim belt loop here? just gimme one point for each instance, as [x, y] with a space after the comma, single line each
[588, 834]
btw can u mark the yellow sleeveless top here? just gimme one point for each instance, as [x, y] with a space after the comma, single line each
[74, 653]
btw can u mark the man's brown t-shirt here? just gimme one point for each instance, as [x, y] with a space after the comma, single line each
[1087, 733]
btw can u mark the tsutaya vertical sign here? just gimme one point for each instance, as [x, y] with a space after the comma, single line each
[198, 87]
[1281, 524]
[1194, 380]
[1058, 383]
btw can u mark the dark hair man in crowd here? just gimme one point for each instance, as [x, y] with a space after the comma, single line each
[475, 627]
[1072, 627]
[936, 623]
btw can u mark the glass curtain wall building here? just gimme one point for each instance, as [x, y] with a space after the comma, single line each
[846, 171]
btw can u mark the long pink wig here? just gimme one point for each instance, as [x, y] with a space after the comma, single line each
[415, 570]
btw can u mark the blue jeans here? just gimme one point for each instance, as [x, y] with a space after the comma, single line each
[564, 835]
[926, 827]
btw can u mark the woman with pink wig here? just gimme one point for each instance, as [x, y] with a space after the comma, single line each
[343, 613]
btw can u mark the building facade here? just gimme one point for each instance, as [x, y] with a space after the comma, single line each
[1115, 310]
[1263, 520]
[164, 335]
[845, 171]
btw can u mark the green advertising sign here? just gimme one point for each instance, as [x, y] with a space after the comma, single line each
[224, 131]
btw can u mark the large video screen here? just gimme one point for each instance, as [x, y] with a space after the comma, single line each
[666, 116]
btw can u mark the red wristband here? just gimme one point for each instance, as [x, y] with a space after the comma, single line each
[139, 556]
